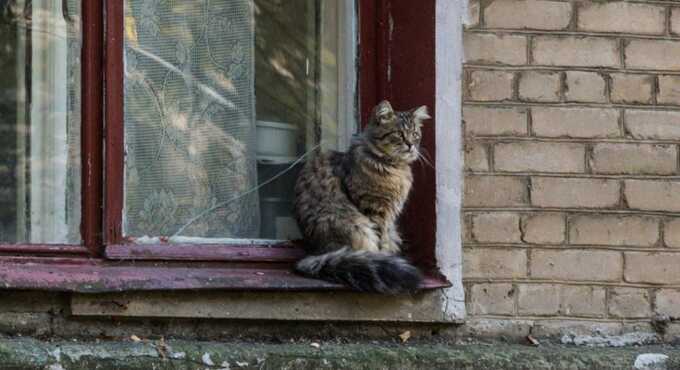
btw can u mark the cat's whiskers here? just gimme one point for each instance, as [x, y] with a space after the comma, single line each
[423, 159]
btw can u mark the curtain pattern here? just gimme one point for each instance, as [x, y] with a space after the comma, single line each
[189, 119]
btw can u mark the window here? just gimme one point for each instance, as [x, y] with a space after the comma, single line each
[221, 102]
[185, 152]
[40, 122]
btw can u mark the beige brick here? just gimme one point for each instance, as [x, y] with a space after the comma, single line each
[575, 122]
[476, 158]
[574, 192]
[632, 88]
[528, 156]
[585, 87]
[576, 265]
[496, 228]
[669, 90]
[583, 301]
[653, 195]
[543, 228]
[653, 54]
[671, 232]
[495, 191]
[541, 15]
[614, 230]
[494, 263]
[652, 268]
[472, 20]
[539, 86]
[485, 121]
[466, 224]
[634, 159]
[492, 299]
[629, 303]
[483, 48]
[619, 16]
[675, 21]
[668, 302]
[654, 125]
[490, 85]
[538, 300]
[576, 51]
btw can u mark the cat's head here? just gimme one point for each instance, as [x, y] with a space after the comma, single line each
[396, 134]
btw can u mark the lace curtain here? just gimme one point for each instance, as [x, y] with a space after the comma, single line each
[189, 119]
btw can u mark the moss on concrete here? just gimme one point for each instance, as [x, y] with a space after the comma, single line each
[34, 354]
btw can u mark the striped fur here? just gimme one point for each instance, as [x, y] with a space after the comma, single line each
[364, 271]
[347, 205]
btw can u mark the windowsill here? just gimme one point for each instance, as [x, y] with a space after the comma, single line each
[282, 252]
[99, 276]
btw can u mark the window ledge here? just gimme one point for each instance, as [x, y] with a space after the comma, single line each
[99, 276]
[284, 252]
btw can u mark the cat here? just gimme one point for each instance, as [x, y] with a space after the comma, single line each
[347, 205]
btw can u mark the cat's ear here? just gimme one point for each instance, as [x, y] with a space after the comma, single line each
[420, 114]
[383, 112]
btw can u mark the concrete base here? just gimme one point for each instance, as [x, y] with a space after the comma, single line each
[22, 353]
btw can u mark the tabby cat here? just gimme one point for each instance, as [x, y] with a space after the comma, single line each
[347, 205]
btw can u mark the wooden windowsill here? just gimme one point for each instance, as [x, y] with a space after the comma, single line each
[83, 275]
[284, 252]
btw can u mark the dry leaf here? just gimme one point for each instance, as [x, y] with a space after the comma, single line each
[533, 341]
[135, 338]
[405, 336]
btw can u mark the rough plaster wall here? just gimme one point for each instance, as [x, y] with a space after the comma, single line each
[572, 189]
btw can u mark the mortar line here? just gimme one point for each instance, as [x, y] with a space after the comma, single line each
[562, 33]
[571, 247]
[502, 67]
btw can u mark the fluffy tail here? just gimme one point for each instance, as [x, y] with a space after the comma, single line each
[363, 271]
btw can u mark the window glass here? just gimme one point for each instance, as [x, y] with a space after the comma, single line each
[223, 99]
[40, 42]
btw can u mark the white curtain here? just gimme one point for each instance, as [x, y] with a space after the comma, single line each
[48, 122]
[189, 119]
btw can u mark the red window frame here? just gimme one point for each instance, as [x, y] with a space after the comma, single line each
[396, 61]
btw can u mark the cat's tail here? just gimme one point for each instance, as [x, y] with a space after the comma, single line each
[364, 271]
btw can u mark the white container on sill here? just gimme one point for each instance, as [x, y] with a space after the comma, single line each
[276, 139]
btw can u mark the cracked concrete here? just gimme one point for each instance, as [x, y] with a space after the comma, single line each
[24, 353]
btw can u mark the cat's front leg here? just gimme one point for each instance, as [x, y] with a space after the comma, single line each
[390, 241]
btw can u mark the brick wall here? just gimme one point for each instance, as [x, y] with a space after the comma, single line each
[572, 145]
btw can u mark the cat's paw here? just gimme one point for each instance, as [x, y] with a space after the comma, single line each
[390, 246]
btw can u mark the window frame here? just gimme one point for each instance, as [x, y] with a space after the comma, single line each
[377, 47]
[387, 70]
[91, 151]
